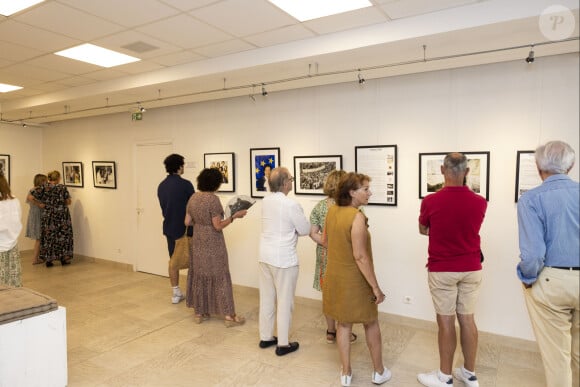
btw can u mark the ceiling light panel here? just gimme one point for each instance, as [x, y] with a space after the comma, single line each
[4, 88]
[312, 9]
[96, 55]
[10, 7]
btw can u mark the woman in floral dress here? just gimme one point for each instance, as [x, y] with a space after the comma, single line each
[56, 241]
[10, 227]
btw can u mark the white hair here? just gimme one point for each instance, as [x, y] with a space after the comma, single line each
[555, 157]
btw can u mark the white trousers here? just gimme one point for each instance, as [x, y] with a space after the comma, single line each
[554, 307]
[277, 288]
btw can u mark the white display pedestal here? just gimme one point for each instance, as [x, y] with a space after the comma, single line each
[33, 351]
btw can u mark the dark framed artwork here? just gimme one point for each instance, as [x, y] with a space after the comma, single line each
[225, 163]
[379, 162]
[527, 175]
[5, 166]
[262, 161]
[310, 172]
[104, 174]
[72, 173]
[431, 179]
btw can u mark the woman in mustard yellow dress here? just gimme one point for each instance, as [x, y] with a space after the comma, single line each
[351, 292]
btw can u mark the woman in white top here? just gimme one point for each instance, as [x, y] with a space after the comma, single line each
[10, 227]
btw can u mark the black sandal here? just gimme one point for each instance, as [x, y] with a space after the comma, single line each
[332, 336]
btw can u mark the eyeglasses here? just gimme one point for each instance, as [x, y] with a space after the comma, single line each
[291, 179]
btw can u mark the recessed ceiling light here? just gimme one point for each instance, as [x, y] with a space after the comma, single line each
[312, 9]
[97, 55]
[4, 88]
[9, 7]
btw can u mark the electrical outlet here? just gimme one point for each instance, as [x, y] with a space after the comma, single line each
[408, 300]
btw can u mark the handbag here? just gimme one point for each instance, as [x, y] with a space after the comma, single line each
[180, 257]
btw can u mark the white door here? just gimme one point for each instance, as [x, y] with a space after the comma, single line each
[152, 256]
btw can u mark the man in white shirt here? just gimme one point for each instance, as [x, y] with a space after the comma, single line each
[283, 220]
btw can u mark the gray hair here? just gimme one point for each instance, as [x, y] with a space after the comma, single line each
[555, 157]
[278, 177]
[455, 163]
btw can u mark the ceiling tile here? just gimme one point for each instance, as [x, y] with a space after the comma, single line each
[188, 5]
[33, 37]
[140, 67]
[125, 13]
[280, 35]
[224, 48]
[185, 32]
[117, 41]
[177, 58]
[107, 74]
[62, 64]
[59, 18]
[242, 17]
[347, 20]
[30, 74]
[16, 52]
[406, 8]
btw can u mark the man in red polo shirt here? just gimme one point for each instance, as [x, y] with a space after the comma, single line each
[452, 218]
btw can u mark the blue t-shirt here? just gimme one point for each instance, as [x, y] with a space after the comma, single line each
[174, 193]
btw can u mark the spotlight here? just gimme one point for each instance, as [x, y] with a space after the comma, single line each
[361, 80]
[530, 58]
[141, 108]
[24, 125]
[264, 92]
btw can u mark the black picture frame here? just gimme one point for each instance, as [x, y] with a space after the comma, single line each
[310, 172]
[262, 160]
[72, 174]
[225, 162]
[5, 166]
[527, 176]
[105, 174]
[431, 179]
[379, 162]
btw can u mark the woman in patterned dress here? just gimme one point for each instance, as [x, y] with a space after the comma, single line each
[56, 240]
[209, 284]
[317, 219]
[34, 214]
[10, 227]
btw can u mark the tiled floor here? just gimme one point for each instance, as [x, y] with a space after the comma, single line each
[123, 331]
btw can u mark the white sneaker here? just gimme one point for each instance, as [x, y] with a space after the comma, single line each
[345, 379]
[469, 380]
[433, 379]
[381, 378]
[177, 298]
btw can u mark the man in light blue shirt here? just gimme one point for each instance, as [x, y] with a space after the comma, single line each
[549, 233]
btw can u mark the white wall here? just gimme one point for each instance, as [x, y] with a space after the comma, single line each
[499, 108]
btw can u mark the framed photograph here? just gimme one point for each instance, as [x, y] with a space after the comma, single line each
[310, 173]
[5, 166]
[104, 174]
[72, 173]
[379, 162]
[262, 161]
[527, 176]
[225, 163]
[431, 179]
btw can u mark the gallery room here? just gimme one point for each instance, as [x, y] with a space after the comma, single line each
[230, 80]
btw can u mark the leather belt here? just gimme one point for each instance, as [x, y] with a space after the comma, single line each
[565, 268]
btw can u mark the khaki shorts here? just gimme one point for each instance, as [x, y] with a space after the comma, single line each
[454, 292]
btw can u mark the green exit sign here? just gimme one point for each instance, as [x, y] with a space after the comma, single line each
[137, 116]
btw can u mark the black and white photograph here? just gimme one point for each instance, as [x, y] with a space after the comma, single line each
[104, 174]
[5, 166]
[262, 161]
[431, 178]
[310, 173]
[379, 162]
[225, 163]
[527, 176]
[72, 172]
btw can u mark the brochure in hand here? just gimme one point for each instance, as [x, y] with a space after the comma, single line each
[237, 203]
